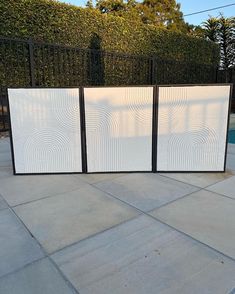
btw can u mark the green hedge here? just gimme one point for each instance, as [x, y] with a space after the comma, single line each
[54, 22]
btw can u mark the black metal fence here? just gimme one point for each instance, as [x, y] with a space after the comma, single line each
[25, 63]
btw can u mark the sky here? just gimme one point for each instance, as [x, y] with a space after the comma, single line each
[190, 6]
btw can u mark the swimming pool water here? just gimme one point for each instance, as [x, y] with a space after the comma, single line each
[231, 136]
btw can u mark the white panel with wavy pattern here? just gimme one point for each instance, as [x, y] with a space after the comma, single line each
[119, 128]
[192, 128]
[46, 130]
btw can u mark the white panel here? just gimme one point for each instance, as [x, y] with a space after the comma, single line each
[192, 128]
[119, 128]
[46, 130]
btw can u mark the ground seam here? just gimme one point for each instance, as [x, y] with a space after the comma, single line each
[189, 236]
[46, 255]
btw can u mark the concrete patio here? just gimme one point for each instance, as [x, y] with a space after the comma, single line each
[117, 233]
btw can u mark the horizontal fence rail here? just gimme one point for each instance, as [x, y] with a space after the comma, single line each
[26, 63]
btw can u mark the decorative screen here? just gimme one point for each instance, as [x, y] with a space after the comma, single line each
[192, 128]
[191, 131]
[45, 130]
[119, 128]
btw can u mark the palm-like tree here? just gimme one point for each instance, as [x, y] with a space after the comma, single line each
[226, 38]
[211, 27]
[222, 31]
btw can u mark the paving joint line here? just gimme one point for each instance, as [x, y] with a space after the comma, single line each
[95, 234]
[44, 197]
[22, 267]
[196, 185]
[219, 194]
[189, 236]
[179, 181]
[122, 175]
[219, 181]
[46, 255]
[174, 200]
[142, 211]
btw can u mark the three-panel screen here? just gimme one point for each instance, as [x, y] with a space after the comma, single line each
[119, 129]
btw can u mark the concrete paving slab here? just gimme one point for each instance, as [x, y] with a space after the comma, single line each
[5, 159]
[20, 189]
[226, 188]
[17, 247]
[145, 191]
[230, 162]
[144, 256]
[199, 179]
[6, 163]
[40, 277]
[206, 216]
[5, 147]
[6, 172]
[94, 178]
[5, 153]
[3, 203]
[231, 148]
[67, 218]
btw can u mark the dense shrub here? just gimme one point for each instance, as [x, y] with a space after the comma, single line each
[54, 22]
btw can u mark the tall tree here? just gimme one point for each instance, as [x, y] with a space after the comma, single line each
[161, 13]
[166, 12]
[226, 39]
[222, 31]
[116, 7]
[211, 27]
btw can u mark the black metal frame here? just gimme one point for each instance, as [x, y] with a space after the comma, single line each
[11, 138]
[155, 116]
[228, 121]
[154, 129]
[83, 129]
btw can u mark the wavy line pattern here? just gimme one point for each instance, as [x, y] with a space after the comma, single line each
[46, 130]
[192, 128]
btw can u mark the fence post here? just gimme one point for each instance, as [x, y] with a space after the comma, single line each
[153, 70]
[216, 74]
[31, 63]
[230, 75]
